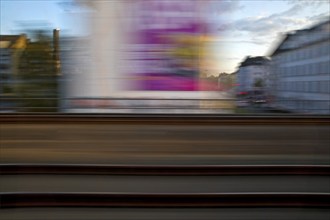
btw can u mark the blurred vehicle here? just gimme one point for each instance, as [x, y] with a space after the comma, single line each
[259, 100]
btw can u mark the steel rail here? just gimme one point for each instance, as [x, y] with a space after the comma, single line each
[166, 119]
[163, 170]
[142, 200]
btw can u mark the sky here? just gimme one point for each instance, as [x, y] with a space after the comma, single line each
[241, 27]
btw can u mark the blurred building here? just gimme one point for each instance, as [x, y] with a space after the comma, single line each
[140, 57]
[253, 77]
[301, 66]
[11, 48]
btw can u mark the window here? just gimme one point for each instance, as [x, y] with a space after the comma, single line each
[305, 86]
[317, 68]
[281, 72]
[287, 87]
[327, 87]
[304, 69]
[308, 53]
[327, 67]
[324, 87]
[284, 70]
[299, 52]
[320, 49]
[314, 86]
[326, 49]
[309, 69]
[295, 71]
[319, 84]
[295, 86]
[289, 71]
[301, 86]
[305, 53]
[296, 55]
[309, 87]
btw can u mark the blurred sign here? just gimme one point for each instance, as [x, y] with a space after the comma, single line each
[166, 48]
[141, 56]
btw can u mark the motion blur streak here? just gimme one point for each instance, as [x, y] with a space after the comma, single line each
[167, 143]
[150, 94]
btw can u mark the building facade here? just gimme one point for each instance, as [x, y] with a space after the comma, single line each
[253, 76]
[301, 68]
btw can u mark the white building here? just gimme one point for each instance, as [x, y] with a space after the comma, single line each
[253, 75]
[301, 65]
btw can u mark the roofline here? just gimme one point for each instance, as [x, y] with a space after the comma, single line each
[293, 33]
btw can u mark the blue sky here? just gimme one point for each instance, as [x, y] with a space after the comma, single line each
[13, 12]
[245, 27]
[254, 27]
[18, 15]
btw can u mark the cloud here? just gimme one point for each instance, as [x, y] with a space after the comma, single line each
[320, 17]
[252, 41]
[272, 24]
[266, 26]
[308, 3]
[220, 7]
[291, 11]
[229, 6]
[233, 58]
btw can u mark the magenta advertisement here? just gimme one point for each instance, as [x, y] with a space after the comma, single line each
[166, 50]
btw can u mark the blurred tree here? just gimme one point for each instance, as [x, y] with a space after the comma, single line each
[226, 81]
[259, 83]
[37, 85]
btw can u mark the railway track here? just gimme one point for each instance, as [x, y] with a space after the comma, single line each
[214, 200]
[163, 200]
[161, 170]
[116, 204]
[166, 119]
[77, 180]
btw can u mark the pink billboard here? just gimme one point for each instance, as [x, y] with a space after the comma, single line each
[166, 48]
